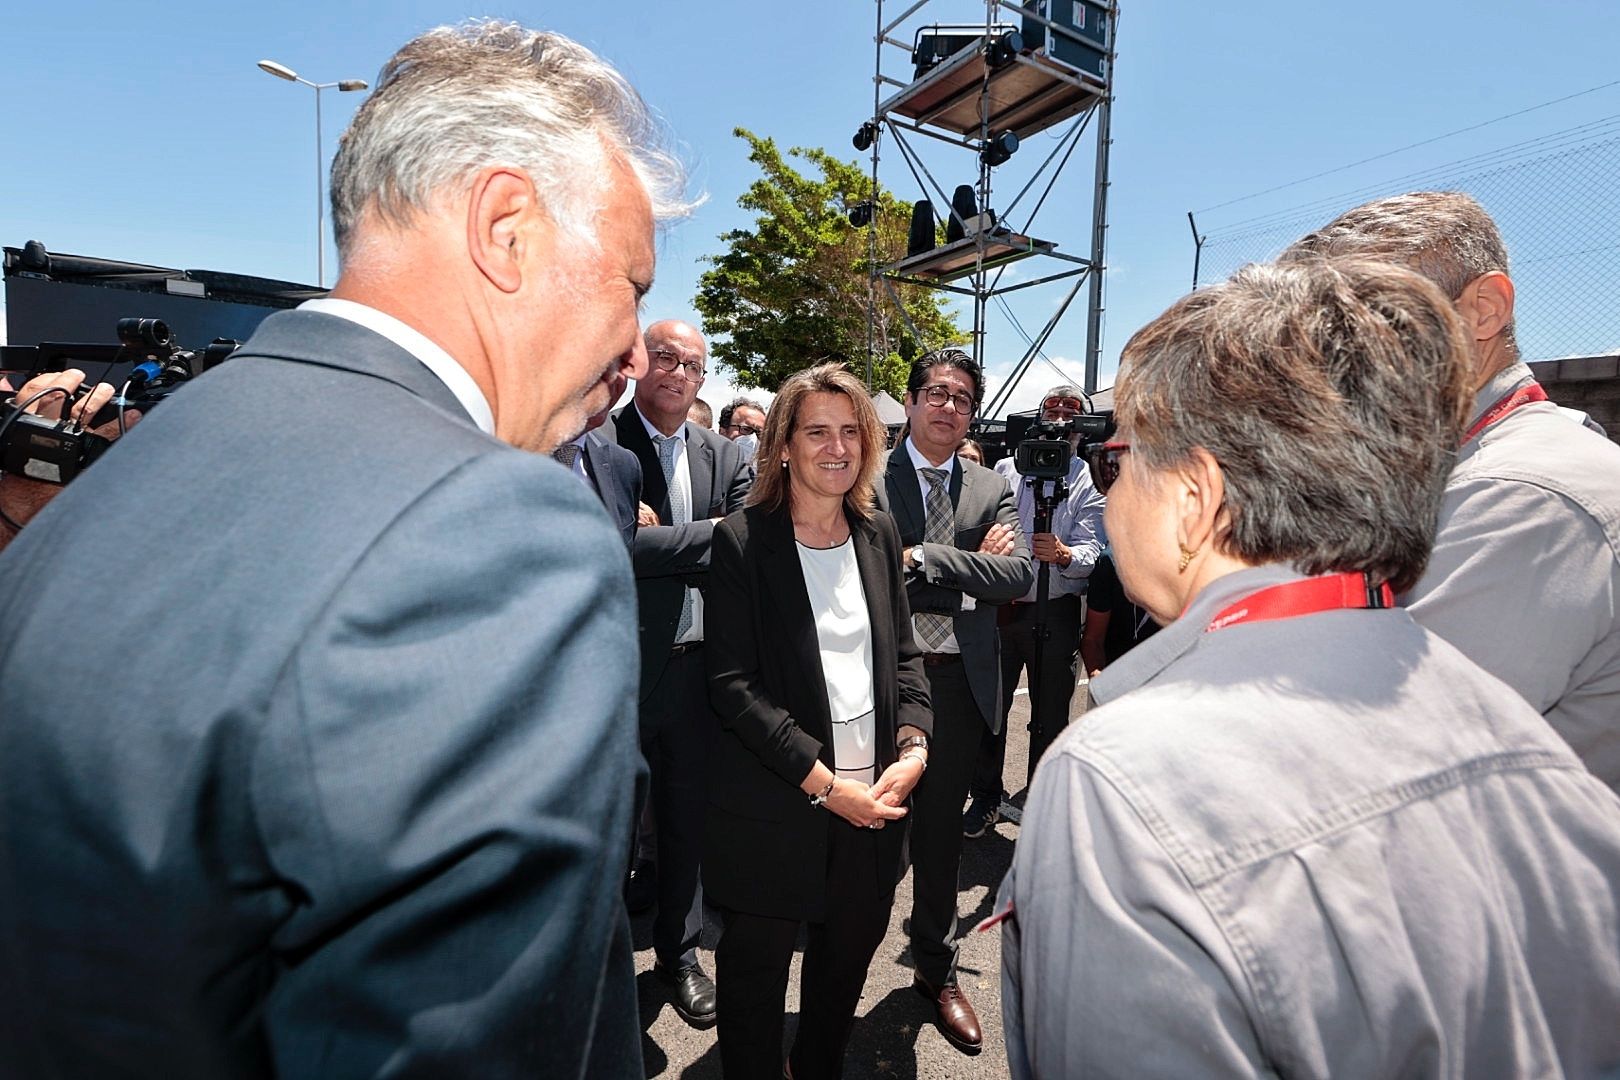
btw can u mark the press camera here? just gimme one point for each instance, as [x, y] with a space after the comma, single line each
[146, 359]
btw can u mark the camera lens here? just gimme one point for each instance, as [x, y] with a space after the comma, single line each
[143, 333]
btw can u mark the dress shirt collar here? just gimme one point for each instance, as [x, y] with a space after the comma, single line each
[920, 463]
[413, 341]
[653, 433]
[1146, 660]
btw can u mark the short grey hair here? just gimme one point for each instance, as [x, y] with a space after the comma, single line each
[458, 99]
[1331, 392]
[1444, 235]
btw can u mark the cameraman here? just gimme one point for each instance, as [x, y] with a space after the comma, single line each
[1069, 552]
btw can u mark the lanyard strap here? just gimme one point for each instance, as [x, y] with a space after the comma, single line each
[1524, 395]
[1331, 592]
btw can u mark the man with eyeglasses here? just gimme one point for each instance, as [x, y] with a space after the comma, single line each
[1069, 550]
[964, 553]
[692, 478]
[742, 416]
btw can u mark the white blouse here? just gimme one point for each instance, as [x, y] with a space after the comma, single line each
[843, 630]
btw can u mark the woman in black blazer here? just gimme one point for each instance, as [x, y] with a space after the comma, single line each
[788, 840]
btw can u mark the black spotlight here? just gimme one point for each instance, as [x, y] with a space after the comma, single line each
[999, 53]
[921, 236]
[864, 135]
[860, 215]
[1000, 147]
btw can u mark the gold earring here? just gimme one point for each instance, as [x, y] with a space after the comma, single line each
[1186, 558]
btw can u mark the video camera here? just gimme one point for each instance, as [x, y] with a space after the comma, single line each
[1045, 452]
[58, 450]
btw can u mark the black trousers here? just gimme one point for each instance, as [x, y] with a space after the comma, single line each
[751, 968]
[677, 736]
[1050, 694]
[936, 822]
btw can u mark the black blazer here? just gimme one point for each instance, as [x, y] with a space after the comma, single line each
[669, 557]
[765, 846]
[616, 474]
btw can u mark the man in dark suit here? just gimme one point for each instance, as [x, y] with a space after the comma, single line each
[691, 478]
[963, 553]
[611, 471]
[337, 784]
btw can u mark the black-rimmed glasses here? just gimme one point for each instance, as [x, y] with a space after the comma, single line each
[938, 396]
[668, 360]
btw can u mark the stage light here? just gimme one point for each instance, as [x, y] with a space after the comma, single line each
[1000, 147]
[860, 215]
[865, 135]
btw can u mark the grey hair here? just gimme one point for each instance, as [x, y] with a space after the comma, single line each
[1331, 392]
[458, 99]
[1444, 235]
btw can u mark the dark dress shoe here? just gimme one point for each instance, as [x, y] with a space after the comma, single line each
[641, 888]
[954, 1014]
[694, 994]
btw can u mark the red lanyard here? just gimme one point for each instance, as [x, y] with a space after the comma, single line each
[1524, 395]
[1331, 592]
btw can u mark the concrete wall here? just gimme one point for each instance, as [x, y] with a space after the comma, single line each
[1588, 383]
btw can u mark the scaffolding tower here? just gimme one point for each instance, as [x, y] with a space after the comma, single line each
[983, 88]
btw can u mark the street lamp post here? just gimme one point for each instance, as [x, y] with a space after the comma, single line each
[281, 71]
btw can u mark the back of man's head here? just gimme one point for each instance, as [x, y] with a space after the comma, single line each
[459, 99]
[1444, 235]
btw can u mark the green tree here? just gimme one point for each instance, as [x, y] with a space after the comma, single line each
[792, 291]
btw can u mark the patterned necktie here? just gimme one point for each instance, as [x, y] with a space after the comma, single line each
[566, 454]
[678, 511]
[938, 529]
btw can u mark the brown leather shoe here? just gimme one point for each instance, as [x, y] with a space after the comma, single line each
[954, 1014]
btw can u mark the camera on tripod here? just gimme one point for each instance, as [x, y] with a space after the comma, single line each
[1047, 453]
[57, 450]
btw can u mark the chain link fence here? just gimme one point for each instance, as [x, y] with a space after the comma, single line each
[1556, 200]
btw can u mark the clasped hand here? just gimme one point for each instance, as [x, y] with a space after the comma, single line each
[872, 807]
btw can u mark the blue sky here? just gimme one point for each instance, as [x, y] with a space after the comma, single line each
[143, 131]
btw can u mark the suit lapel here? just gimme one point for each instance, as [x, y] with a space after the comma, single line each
[598, 464]
[905, 497]
[633, 437]
[963, 488]
[700, 465]
[789, 605]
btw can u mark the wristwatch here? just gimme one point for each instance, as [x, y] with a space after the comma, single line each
[910, 741]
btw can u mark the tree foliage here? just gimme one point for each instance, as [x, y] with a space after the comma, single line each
[793, 291]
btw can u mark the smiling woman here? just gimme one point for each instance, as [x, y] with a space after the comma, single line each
[825, 722]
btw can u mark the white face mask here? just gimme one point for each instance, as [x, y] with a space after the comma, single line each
[748, 444]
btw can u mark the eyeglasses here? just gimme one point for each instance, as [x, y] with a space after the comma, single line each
[938, 396]
[668, 360]
[1104, 462]
[740, 429]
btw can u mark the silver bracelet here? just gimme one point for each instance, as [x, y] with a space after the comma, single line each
[817, 800]
[921, 759]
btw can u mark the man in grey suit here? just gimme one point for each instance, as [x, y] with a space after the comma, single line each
[336, 783]
[611, 471]
[691, 478]
[964, 553]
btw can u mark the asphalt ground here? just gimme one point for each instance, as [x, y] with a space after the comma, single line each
[894, 1037]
